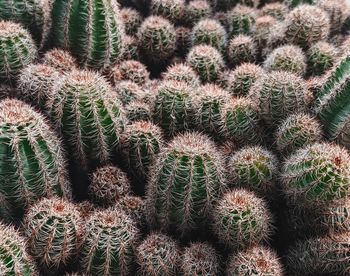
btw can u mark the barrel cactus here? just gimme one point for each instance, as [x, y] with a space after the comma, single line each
[129, 91]
[197, 10]
[321, 57]
[131, 70]
[132, 20]
[337, 11]
[59, 59]
[173, 10]
[134, 207]
[138, 111]
[241, 20]
[276, 10]
[182, 72]
[240, 49]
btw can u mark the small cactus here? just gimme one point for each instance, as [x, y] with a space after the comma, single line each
[241, 20]
[173, 10]
[130, 48]
[138, 111]
[158, 254]
[276, 10]
[240, 49]
[241, 220]
[321, 57]
[60, 60]
[183, 40]
[131, 70]
[337, 11]
[129, 91]
[263, 27]
[197, 10]
[182, 72]
[134, 207]
[132, 20]
[275, 38]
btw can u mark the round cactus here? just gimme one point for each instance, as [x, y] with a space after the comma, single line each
[109, 243]
[91, 30]
[206, 61]
[130, 48]
[138, 111]
[262, 32]
[60, 60]
[241, 219]
[276, 10]
[337, 11]
[33, 164]
[279, 94]
[84, 108]
[286, 58]
[54, 229]
[209, 32]
[108, 185]
[317, 175]
[275, 38]
[129, 91]
[158, 254]
[14, 260]
[241, 48]
[297, 131]
[200, 259]
[183, 40]
[197, 10]
[172, 10]
[253, 168]
[134, 207]
[182, 72]
[321, 57]
[17, 50]
[132, 20]
[184, 183]
[306, 25]
[241, 20]
[131, 70]
[257, 260]
[157, 38]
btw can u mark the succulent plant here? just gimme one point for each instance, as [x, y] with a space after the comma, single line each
[197, 10]
[241, 20]
[130, 48]
[158, 254]
[109, 244]
[54, 229]
[72, 27]
[32, 159]
[262, 33]
[183, 40]
[132, 20]
[321, 57]
[172, 10]
[240, 49]
[275, 38]
[276, 10]
[17, 50]
[185, 181]
[182, 72]
[241, 220]
[337, 12]
[85, 110]
[131, 70]
[138, 111]
[134, 207]
[129, 91]
[60, 60]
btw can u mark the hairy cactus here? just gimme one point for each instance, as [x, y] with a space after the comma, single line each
[209, 32]
[54, 229]
[253, 168]
[241, 219]
[132, 20]
[258, 260]
[14, 260]
[286, 58]
[206, 61]
[321, 57]
[84, 108]
[317, 175]
[60, 60]
[241, 20]
[297, 131]
[241, 48]
[32, 159]
[276, 10]
[131, 70]
[182, 72]
[108, 185]
[17, 50]
[172, 10]
[129, 91]
[109, 243]
[275, 38]
[306, 25]
[185, 181]
[138, 111]
[91, 30]
[337, 11]
[157, 38]
[197, 10]
[200, 259]
[158, 254]
[134, 207]
[263, 27]
[279, 94]
[130, 48]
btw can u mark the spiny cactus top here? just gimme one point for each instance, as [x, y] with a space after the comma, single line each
[321, 57]
[59, 59]
[197, 10]
[91, 30]
[337, 11]
[132, 70]
[84, 108]
[185, 181]
[241, 48]
[33, 164]
[276, 10]
[54, 230]
[182, 72]
[14, 260]
[17, 50]
[132, 20]
[173, 10]
[241, 20]
[129, 91]
[134, 207]
[263, 26]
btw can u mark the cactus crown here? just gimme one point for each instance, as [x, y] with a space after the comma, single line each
[60, 60]
[182, 72]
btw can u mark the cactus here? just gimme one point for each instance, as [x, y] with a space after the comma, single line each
[306, 25]
[276, 10]
[327, 255]
[241, 20]
[35, 83]
[182, 72]
[197, 10]
[337, 12]
[54, 229]
[108, 185]
[275, 38]
[242, 78]
[172, 10]
[17, 50]
[183, 40]
[258, 260]
[60, 60]
[241, 48]
[288, 58]
[209, 32]
[279, 94]
[173, 109]
[131, 70]
[134, 207]
[206, 61]
[184, 182]
[200, 259]
[157, 38]
[241, 220]
[14, 260]
[140, 143]
[317, 175]
[138, 111]
[297, 131]
[32, 159]
[91, 30]
[7, 91]
[130, 48]
[84, 109]
[132, 20]
[109, 243]
[262, 32]
[254, 168]
[129, 91]
[321, 57]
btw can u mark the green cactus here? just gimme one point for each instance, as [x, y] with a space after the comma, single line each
[337, 12]
[134, 207]
[262, 33]
[197, 10]
[17, 50]
[275, 38]
[85, 110]
[241, 220]
[132, 20]
[60, 60]
[54, 229]
[130, 48]
[276, 10]
[240, 49]
[184, 182]
[241, 20]
[138, 111]
[108, 244]
[321, 57]
[131, 70]
[182, 72]
[32, 159]
[129, 91]
[173, 10]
